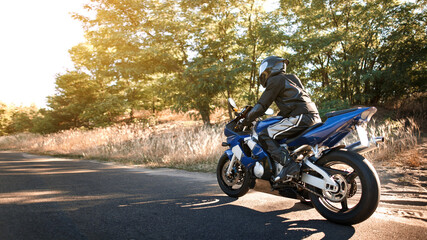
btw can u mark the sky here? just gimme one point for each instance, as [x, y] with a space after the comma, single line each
[35, 37]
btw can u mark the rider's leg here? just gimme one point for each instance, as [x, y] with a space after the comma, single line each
[278, 154]
[286, 128]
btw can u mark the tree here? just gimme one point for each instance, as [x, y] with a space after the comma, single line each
[261, 34]
[75, 93]
[129, 42]
[210, 72]
[403, 56]
[229, 38]
[192, 54]
[17, 119]
[343, 48]
[4, 118]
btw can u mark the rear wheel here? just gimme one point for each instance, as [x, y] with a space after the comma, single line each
[358, 193]
[237, 183]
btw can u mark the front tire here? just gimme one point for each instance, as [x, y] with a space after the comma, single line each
[238, 183]
[359, 189]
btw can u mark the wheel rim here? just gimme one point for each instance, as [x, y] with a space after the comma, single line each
[341, 193]
[235, 180]
[349, 193]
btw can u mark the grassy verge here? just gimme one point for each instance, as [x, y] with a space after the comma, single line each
[402, 138]
[179, 145]
[182, 145]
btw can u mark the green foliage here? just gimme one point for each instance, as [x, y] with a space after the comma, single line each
[192, 54]
[44, 122]
[4, 118]
[363, 52]
[209, 73]
[331, 105]
[76, 91]
[17, 119]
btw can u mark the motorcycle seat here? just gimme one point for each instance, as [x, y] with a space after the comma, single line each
[336, 113]
[304, 132]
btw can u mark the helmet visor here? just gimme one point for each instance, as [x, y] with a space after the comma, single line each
[262, 67]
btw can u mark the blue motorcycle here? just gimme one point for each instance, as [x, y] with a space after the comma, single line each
[341, 184]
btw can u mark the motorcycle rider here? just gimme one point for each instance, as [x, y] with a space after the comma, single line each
[295, 105]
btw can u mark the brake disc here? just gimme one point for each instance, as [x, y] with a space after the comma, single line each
[234, 177]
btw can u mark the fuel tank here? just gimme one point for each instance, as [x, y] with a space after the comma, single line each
[261, 125]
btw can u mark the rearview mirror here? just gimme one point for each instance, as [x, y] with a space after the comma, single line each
[269, 111]
[232, 104]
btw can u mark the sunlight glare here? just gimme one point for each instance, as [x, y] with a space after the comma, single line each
[36, 37]
[270, 5]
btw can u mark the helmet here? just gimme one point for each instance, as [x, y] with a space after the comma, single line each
[271, 66]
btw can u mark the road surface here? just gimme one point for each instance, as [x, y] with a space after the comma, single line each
[52, 198]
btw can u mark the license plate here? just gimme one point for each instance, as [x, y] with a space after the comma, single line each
[363, 135]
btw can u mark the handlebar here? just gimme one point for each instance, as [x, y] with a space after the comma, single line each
[235, 124]
[244, 112]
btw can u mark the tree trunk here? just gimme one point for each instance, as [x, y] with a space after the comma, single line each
[205, 114]
[131, 115]
[153, 105]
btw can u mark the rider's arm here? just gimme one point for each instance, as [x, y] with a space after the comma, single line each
[274, 86]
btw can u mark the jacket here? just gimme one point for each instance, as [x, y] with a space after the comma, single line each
[287, 91]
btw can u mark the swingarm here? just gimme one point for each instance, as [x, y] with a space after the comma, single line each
[325, 183]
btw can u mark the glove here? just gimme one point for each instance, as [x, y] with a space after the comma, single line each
[246, 122]
[257, 111]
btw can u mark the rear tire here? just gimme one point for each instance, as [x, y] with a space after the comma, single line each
[360, 191]
[238, 183]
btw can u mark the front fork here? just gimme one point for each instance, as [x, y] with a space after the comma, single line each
[237, 155]
[230, 166]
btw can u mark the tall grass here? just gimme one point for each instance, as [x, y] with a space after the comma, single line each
[167, 145]
[182, 144]
[400, 136]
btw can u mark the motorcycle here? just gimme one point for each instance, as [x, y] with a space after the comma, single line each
[340, 183]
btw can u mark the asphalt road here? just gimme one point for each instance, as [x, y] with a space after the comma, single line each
[51, 198]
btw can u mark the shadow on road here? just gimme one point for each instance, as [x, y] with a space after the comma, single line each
[218, 217]
[47, 198]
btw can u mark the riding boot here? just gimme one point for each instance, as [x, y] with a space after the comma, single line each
[290, 168]
[279, 155]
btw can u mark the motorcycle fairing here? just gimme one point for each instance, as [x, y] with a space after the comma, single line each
[259, 152]
[333, 130]
[247, 161]
[236, 139]
[229, 153]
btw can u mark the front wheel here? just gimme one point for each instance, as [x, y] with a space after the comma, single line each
[237, 183]
[358, 194]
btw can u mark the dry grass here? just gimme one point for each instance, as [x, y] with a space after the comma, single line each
[189, 145]
[400, 146]
[186, 145]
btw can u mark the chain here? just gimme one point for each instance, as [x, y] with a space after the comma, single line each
[307, 189]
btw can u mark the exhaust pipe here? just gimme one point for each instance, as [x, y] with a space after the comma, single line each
[359, 148]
